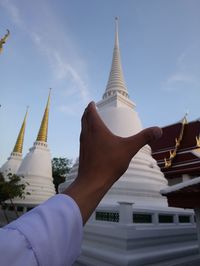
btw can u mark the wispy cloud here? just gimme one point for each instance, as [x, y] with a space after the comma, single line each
[186, 75]
[62, 70]
[13, 11]
[57, 48]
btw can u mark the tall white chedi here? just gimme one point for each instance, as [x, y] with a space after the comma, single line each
[36, 167]
[11, 166]
[143, 180]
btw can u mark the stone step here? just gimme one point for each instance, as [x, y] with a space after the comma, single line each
[193, 260]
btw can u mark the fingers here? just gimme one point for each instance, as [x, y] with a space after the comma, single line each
[84, 120]
[146, 136]
[94, 120]
[89, 118]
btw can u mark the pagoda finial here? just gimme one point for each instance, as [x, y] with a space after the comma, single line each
[116, 82]
[20, 139]
[116, 32]
[42, 134]
[3, 40]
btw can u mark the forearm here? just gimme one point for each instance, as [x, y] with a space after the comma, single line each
[87, 196]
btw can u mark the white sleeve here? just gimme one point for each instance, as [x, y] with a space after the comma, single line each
[48, 235]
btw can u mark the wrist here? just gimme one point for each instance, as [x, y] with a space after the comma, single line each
[87, 192]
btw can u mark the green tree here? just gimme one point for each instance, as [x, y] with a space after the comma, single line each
[60, 169]
[11, 189]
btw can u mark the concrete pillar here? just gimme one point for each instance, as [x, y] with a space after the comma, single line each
[197, 213]
[125, 212]
[192, 219]
[155, 219]
[175, 218]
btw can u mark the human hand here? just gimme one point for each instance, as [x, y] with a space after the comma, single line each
[104, 157]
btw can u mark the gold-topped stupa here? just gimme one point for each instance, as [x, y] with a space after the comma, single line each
[12, 165]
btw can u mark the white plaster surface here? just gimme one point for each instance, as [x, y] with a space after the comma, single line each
[11, 166]
[143, 180]
[37, 172]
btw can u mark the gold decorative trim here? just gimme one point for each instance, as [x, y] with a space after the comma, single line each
[198, 141]
[172, 154]
[3, 40]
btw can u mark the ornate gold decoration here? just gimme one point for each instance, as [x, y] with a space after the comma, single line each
[172, 154]
[167, 163]
[20, 139]
[3, 40]
[42, 134]
[198, 141]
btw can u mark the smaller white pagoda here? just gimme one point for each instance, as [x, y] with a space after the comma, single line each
[11, 166]
[36, 168]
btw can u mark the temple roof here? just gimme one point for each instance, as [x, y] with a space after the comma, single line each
[175, 150]
[184, 195]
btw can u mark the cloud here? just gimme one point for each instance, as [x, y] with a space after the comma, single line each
[186, 75]
[181, 78]
[72, 109]
[13, 11]
[56, 47]
[61, 69]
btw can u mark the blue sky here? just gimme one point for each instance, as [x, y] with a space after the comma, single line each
[67, 45]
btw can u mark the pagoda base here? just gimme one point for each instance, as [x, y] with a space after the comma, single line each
[153, 242]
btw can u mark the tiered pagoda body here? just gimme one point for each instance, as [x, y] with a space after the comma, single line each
[142, 182]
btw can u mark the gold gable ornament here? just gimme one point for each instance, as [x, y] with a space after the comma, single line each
[3, 40]
[172, 154]
[198, 141]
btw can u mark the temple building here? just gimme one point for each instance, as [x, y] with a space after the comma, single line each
[36, 168]
[11, 166]
[133, 224]
[178, 151]
[178, 155]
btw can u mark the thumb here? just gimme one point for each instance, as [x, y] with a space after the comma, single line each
[144, 137]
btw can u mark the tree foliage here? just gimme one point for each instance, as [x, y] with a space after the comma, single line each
[11, 189]
[60, 169]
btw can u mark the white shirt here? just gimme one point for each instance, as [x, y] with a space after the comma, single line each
[48, 235]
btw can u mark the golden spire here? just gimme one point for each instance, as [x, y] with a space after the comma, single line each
[20, 139]
[42, 134]
[3, 40]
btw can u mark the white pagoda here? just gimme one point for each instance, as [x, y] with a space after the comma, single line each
[133, 224]
[11, 166]
[36, 168]
[142, 182]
